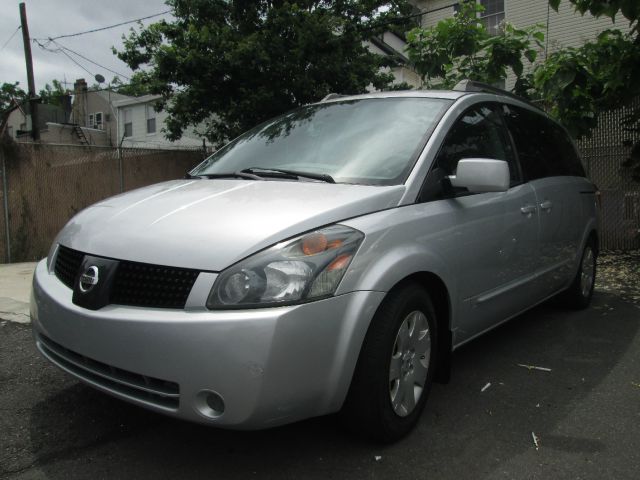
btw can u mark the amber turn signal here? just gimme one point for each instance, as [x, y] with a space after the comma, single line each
[314, 243]
[339, 263]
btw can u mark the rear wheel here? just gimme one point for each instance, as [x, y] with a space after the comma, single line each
[579, 294]
[395, 368]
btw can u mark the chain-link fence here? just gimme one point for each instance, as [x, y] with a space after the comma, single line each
[603, 154]
[44, 185]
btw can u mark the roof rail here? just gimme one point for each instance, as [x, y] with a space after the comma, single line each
[332, 96]
[479, 87]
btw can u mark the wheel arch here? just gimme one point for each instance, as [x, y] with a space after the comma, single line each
[439, 295]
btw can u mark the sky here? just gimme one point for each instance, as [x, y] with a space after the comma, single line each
[51, 18]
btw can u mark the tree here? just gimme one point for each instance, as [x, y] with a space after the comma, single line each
[137, 86]
[231, 64]
[460, 48]
[9, 92]
[630, 9]
[53, 94]
[577, 84]
[574, 85]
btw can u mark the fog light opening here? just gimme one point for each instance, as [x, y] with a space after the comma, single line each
[215, 403]
[210, 404]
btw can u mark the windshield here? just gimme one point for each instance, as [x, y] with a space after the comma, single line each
[373, 141]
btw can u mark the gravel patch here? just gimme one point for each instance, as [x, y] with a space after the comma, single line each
[619, 273]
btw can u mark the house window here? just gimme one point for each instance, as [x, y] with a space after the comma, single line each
[95, 120]
[128, 123]
[151, 119]
[10, 131]
[493, 15]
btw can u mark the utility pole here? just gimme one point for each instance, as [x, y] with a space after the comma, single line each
[33, 100]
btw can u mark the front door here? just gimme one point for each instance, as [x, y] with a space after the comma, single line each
[495, 250]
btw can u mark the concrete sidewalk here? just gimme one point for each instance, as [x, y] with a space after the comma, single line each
[15, 289]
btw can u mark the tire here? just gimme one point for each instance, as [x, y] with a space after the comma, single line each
[578, 295]
[395, 369]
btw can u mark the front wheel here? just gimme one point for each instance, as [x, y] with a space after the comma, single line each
[395, 368]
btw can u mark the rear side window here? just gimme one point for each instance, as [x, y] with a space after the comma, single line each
[479, 133]
[544, 148]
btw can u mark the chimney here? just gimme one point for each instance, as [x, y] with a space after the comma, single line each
[79, 108]
[66, 106]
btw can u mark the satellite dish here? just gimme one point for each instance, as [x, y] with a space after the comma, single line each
[99, 78]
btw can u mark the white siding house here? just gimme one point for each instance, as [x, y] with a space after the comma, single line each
[140, 126]
[390, 44]
[564, 28]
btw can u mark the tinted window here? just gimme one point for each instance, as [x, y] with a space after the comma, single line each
[543, 146]
[371, 141]
[479, 133]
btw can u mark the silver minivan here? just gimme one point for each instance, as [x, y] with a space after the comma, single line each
[328, 260]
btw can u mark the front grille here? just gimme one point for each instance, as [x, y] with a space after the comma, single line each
[135, 284]
[159, 393]
[67, 265]
[144, 285]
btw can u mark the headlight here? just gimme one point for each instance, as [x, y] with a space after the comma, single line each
[304, 268]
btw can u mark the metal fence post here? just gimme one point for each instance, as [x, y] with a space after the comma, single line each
[121, 169]
[5, 201]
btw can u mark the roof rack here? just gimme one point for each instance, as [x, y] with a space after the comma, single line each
[479, 87]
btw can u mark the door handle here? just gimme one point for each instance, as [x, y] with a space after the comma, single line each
[546, 205]
[528, 209]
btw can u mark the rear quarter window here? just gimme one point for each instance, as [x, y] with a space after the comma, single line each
[544, 148]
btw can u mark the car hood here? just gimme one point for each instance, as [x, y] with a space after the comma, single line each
[211, 224]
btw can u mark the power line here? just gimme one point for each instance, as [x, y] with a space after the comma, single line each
[10, 38]
[64, 50]
[107, 27]
[81, 66]
[60, 50]
[89, 60]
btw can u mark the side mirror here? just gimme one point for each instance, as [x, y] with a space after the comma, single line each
[481, 175]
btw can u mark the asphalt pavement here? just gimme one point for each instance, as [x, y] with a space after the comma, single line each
[582, 409]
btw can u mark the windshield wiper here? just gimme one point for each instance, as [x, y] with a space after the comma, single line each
[323, 177]
[243, 174]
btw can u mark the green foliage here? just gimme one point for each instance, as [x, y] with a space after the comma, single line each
[53, 94]
[460, 48]
[9, 91]
[574, 84]
[579, 83]
[630, 9]
[231, 64]
[138, 85]
[434, 50]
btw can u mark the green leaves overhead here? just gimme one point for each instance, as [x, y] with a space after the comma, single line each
[599, 76]
[572, 84]
[630, 9]
[579, 83]
[232, 64]
[460, 48]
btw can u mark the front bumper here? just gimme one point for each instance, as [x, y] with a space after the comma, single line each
[270, 366]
